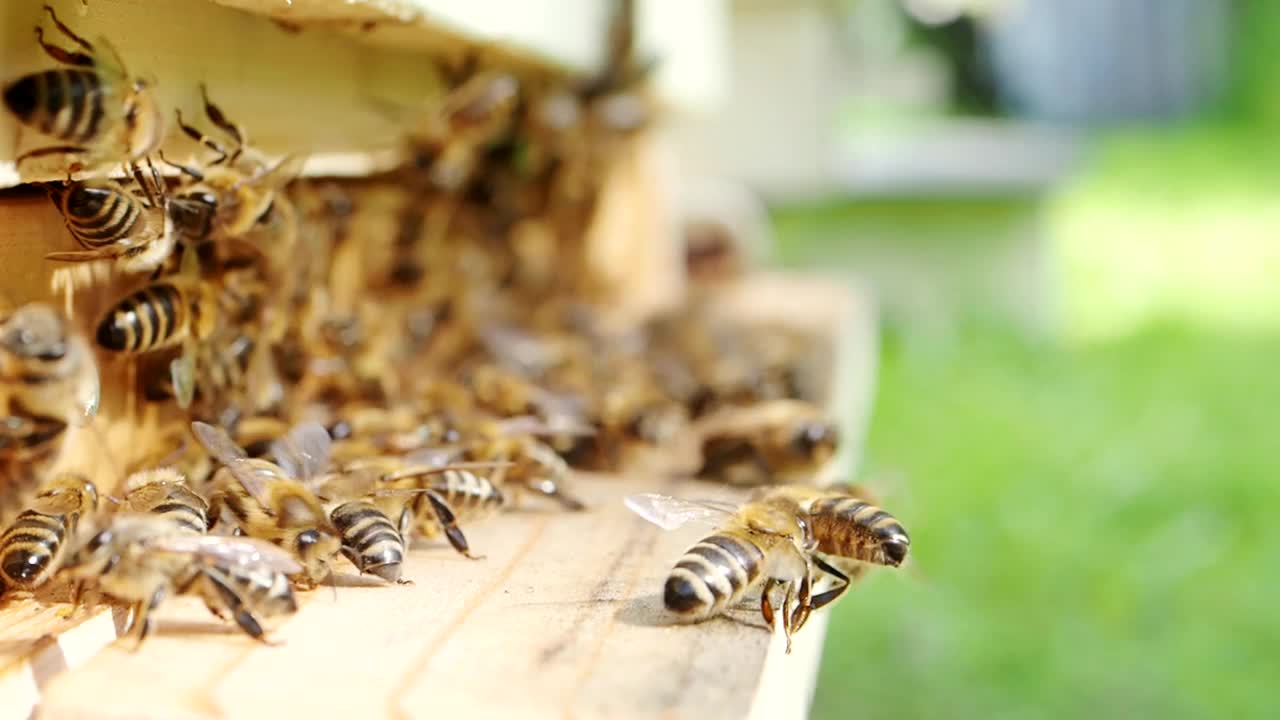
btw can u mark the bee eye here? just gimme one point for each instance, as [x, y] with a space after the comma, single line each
[308, 539]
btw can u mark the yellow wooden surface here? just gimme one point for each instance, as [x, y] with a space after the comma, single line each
[315, 92]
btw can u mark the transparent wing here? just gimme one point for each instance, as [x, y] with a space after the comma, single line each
[255, 477]
[670, 513]
[433, 456]
[421, 470]
[218, 443]
[57, 503]
[230, 550]
[304, 452]
[140, 498]
[531, 425]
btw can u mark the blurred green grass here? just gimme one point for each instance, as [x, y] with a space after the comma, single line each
[1093, 520]
[1095, 531]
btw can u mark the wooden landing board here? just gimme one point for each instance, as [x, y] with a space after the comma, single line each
[563, 618]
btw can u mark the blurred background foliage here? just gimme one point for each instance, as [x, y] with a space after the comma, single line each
[1092, 500]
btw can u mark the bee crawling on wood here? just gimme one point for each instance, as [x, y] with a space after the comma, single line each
[34, 544]
[775, 539]
[276, 501]
[142, 559]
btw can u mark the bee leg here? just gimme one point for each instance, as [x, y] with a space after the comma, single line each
[142, 624]
[51, 150]
[801, 614]
[201, 138]
[450, 525]
[78, 59]
[216, 116]
[787, 602]
[349, 553]
[766, 603]
[187, 170]
[823, 599]
[84, 44]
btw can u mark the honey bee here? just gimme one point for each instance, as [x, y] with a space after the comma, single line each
[48, 366]
[161, 315]
[93, 105]
[165, 492]
[770, 443]
[369, 539]
[141, 559]
[535, 465]
[763, 544]
[238, 187]
[110, 223]
[851, 533]
[174, 311]
[440, 496]
[32, 546]
[474, 114]
[275, 501]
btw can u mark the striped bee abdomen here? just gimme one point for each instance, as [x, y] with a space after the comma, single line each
[369, 539]
[152, 318]
[66, 104]
[712, 575]
[98, 216]
[853, 528]
[28, 548]
[185, 509]
[468, 494]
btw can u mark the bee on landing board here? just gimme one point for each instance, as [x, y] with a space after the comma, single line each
[33, 545]
[275, 502]
[166, 493]
[142, 559]
[771, 443]
[759, 544]
[842, 534]
[93, 104]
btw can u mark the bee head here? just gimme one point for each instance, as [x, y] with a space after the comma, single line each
[35, 331]
[815, 440]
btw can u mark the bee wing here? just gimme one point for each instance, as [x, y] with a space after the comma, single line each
[433, 456]
[304, 452]
[145, 496]
[57, 503]
[230, 550]
[218, 443]
[417, 470]
[670, 513]
[82, 255]
[531, 425]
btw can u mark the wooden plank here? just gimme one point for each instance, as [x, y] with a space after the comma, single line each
[563, 618]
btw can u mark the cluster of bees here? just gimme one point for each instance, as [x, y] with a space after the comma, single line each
[339, 369]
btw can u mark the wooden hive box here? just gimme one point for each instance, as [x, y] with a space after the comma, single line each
[563, 616]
